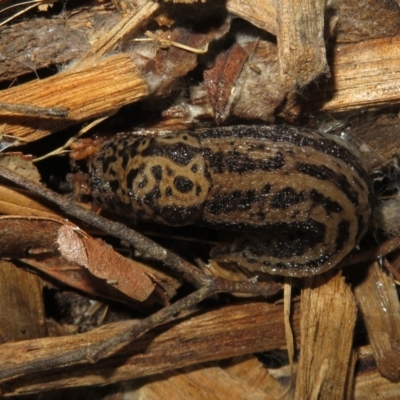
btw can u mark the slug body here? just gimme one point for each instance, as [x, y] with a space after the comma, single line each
[298, 200]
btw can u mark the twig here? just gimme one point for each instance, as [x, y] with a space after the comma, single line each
[126, 26]
[208, 285]
[63, 148]
[213, 286]
[94, 352]
[103, 348]
[189, 272]
[36, 111]
[165, 43]
[198, 336]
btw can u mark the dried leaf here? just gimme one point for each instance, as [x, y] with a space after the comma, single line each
[81, 279]
[21, 164]
[17, 202]
[34, 240]
[104, 263]
[14, 201]
[221, 80]
[161, 66]
[257, 100]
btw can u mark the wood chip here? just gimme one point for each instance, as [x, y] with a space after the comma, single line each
[87, 93]
[102, 261]
[365, 74]
[379, 304]
[301, 44]
[328, 316]
[215, 334]
[255, 374]
[22, 314]
[213, 383]
[261, 13]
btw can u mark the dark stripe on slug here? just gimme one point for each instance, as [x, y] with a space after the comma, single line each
[361, 227]
[343, 235]
[179, 216]
[286, 198]
[266, 189]
[329, 205]
[125, 160]
[297, 136]
[183, 184]
[143, 183]
[316, 262]
[107, 161]
[113, 172]
[281, 240]
[132, 148]
[151, 197]
[114, 185]
[324, 173]
[216, 161]
[180, 153]
[296, 269]
[156, 171]
[273, 163]
[258, 216]
[132, 174]
[240, 163]
[233, 202]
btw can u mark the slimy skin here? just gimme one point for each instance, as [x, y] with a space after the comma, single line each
[298, 200]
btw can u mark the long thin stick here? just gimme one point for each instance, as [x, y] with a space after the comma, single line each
[208, 285]
[189, 272]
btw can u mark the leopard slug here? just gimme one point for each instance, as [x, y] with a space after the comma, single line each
[298, 200]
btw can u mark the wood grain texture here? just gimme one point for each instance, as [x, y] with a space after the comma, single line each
[107, 42]
[88, 93]
[211, 383]
[374, 386]
[301, 44]
[217, 334]
[22, 314]
[365, 74]
[379, 304]
[250, 370]
[261, 13]
[328, 316]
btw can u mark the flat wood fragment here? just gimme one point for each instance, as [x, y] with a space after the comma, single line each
[379, 304]
[301, 43]
[88, 93]
[22, 314]
[365, 74]
[345, 20]
[210, 383]
[374, 386]
[253, 372]
[368, 382]
[328, 316]
[36, 43]
[261, 13]
[107, 42]
[216, 334]
[19, 202]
